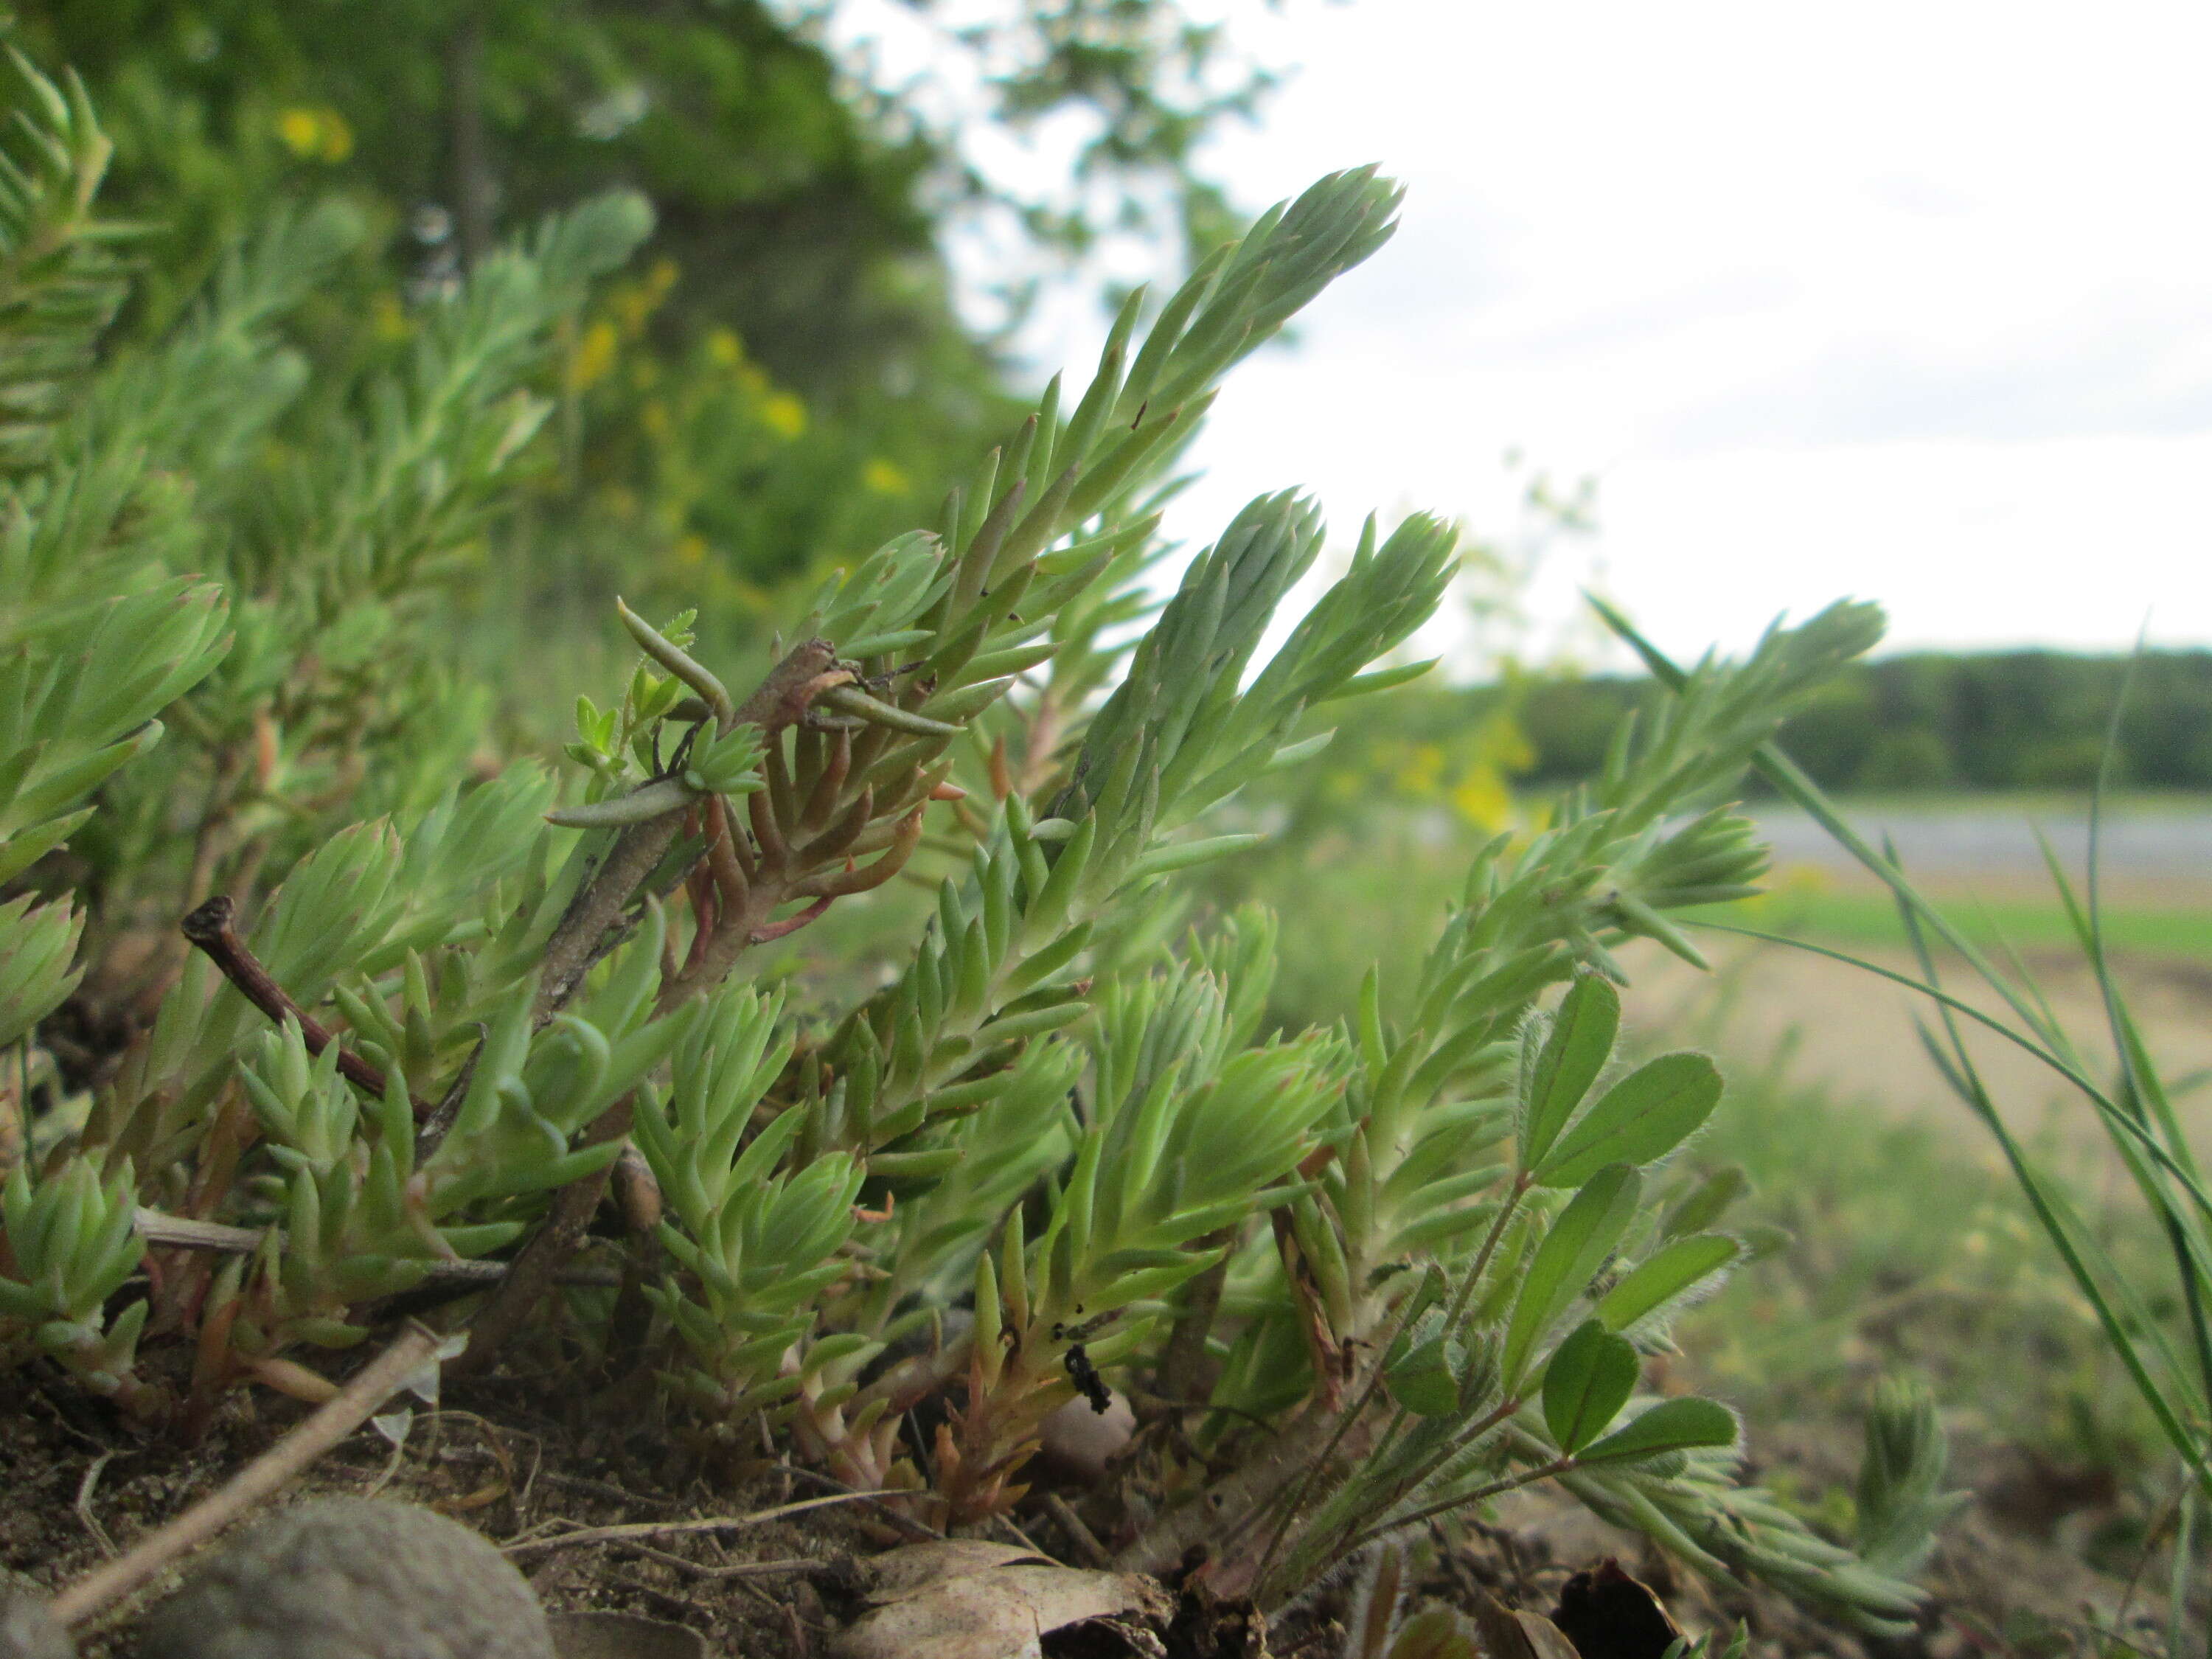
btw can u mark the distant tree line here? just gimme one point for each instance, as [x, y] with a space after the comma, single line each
[2011, 720]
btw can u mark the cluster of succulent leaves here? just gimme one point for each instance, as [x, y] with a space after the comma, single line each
[1354, 1279]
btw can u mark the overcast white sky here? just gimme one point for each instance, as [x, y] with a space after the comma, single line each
[1910, 301]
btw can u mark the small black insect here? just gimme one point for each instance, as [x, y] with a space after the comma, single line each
[1088, 1383]
[1063, 1332]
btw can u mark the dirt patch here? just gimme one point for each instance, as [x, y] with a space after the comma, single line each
[1996, 1584]
[1852, 1033]
[81, 1487]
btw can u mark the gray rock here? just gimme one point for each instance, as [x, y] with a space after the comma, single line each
[352, 1578]
[26, 1630]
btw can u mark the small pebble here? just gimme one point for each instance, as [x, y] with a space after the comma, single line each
[1077, 1443]
[353, 1578]
[26, 1630]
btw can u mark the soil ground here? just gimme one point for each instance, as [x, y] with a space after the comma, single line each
[1853, 1034]
[81, 1487]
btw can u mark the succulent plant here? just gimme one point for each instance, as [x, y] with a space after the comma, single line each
[1358, 1277]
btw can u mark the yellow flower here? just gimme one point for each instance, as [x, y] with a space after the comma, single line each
[785, 414]
[884, 478]
[690, 548]
[724, 347]
[301, 129]
[632, 303]
[387, 318]
[1482, 798]
[319, 134]
[338, 138]
[594, 356]
[1508, 745]
[1424, 771]
[631, 306]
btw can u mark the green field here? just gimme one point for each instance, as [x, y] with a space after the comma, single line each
[1380, 895]
[1849, 916]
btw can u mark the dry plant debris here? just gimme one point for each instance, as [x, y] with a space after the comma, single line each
[967, 1598]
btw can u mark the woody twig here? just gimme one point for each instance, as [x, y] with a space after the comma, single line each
[214, 928]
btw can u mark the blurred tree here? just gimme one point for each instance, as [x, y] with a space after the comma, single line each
[796, 284]
[2000, 719]
[802, 201]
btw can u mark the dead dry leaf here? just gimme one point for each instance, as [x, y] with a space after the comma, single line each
[968, 1599]
[1503, 1632]
[1434, 1633]
[623, 1635]
[1610, 1615]
[899, 1572]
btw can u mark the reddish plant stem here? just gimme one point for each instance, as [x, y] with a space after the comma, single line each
[808, 669]
[723, 858]
[781, 701]
[706, 908]
[789, 925]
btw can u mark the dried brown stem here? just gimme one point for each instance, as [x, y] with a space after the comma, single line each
[637, 1195]
[797, 1564]
[11, 1131]
[1073, 1529]
[1187, 1371]
[898, 1520]
[631, 1531]
[213, 927]
[538, 1268]
[178, 1232]
[600, 907]
[439, 1123]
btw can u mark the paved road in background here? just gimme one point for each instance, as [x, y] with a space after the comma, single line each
[2157, 844]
